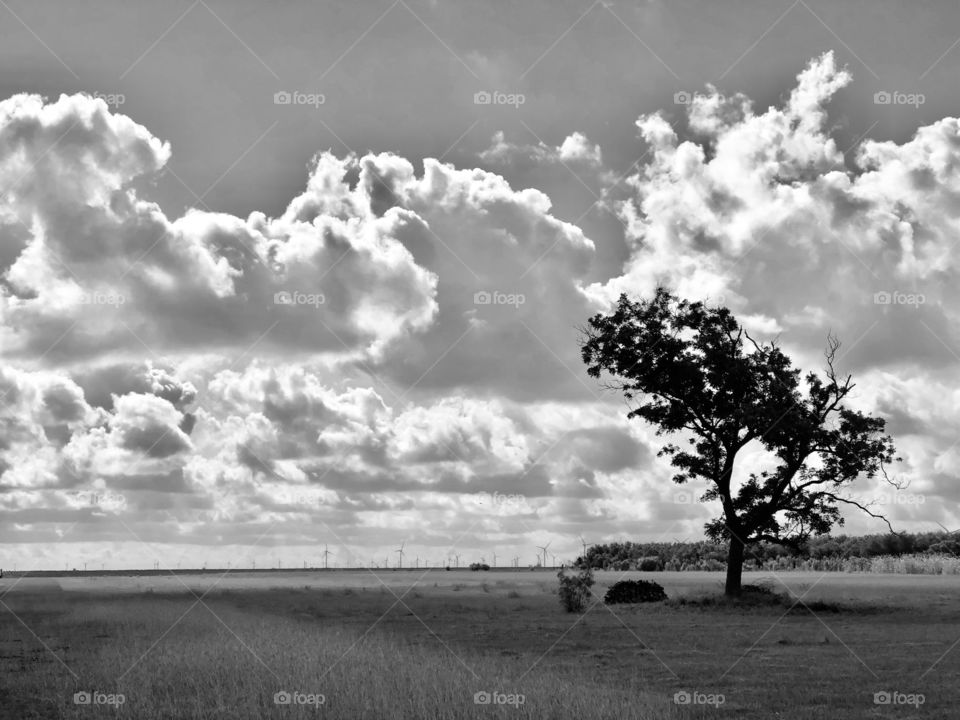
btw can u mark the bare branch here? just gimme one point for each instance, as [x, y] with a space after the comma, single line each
[865, 509]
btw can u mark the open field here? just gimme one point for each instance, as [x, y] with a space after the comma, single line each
[416, 644]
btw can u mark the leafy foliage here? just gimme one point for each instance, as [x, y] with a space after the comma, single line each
[575, 590]
[700, 555]
[634, 591]
[692, 371]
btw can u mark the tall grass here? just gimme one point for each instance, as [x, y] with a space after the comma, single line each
[172, 658]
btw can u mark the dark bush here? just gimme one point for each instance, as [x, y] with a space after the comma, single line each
[575, 589]
[650, 564]
[479, 566]
[634, 591]
[757, 589]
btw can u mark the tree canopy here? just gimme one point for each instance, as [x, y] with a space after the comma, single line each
[694, 372]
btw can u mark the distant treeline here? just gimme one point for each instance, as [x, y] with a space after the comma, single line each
[824, 552]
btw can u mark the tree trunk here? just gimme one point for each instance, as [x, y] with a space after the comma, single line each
[734, 568]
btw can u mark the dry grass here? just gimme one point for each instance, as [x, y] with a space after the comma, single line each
[425, 657]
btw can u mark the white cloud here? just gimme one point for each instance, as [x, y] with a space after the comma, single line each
[577, 148]
[390, 393]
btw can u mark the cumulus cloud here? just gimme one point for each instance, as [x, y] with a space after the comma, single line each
[397, 350]
[576, 148]
[90, 266]
[762, 212]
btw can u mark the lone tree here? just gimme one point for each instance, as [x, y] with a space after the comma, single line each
[692, 370]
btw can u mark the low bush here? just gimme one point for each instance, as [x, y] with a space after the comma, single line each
[634, 591]
[575, 589]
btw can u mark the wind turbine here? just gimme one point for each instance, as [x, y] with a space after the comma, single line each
[457, 556]
[326, 554]
[494, 560]
[544, 548]
[400, 550]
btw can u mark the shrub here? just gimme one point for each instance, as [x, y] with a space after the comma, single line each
[479, 566]
[634, 591]
[650, 564]
[575, 589]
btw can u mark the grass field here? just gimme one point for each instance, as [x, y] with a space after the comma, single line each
[416, 644]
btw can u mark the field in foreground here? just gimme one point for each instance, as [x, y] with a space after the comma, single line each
[416, 644]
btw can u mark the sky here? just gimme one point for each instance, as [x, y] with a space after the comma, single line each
[282, 277]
